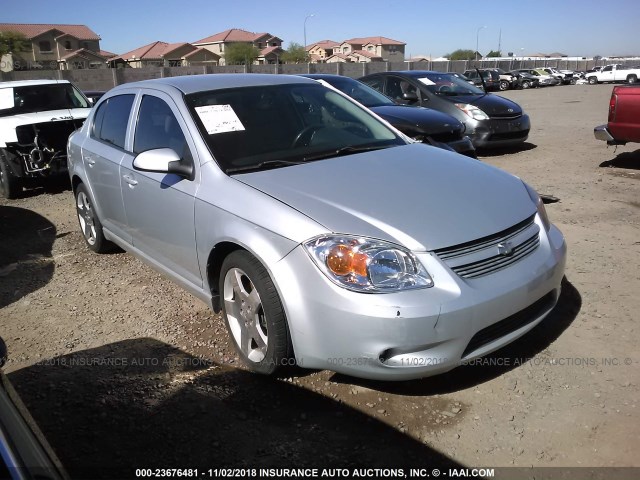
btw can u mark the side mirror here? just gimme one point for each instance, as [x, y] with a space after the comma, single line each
[163, 160]
[410, 96]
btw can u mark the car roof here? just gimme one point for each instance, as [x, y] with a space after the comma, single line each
[201, 83]
[26, 83]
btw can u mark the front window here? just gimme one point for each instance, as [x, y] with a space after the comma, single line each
[448, 85]
[40, 98]
[255, 128]
[45, 46]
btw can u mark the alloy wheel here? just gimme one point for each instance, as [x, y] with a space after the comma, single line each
[245, 314]
[86, 218]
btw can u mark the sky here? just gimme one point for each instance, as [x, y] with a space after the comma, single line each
[429, 28]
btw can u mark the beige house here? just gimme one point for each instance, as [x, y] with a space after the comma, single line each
[57, 46]
[270, 47]
[359, 50]
[320, 51]
[163, 54]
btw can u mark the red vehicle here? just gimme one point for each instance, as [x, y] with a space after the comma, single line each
[624, 117]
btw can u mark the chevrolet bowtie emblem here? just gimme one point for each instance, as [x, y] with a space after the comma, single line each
[505, 249]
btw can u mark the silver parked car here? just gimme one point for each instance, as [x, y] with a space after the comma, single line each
[324, 235]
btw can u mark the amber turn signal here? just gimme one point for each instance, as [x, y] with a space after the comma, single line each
[343, 260]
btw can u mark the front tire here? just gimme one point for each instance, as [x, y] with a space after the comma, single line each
[526, 84]
[504, 85]
[90, 225]
[253, 314]
[592, 80]
[10, 186]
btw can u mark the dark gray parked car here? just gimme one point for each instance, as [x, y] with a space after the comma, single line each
[491, 120]
[423, 124]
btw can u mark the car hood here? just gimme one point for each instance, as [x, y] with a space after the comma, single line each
[426, 120]
[492, 105]
[8, 124]
[418, 196]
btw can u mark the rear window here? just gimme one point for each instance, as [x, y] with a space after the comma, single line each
[111, 119]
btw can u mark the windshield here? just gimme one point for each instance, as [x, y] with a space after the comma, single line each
[40, 98]
[279, 125]
[449, 85]
[360, 92]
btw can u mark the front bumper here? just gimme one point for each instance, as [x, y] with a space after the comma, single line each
[498, 132]
[417, 333]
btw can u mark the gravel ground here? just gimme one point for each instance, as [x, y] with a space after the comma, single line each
[122, 369]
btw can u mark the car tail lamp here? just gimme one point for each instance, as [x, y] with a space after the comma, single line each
[612, 107]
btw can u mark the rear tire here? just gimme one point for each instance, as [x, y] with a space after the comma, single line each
[254, 315]
[592, 80]
[632, 79]
[90, 225]
[504, 85]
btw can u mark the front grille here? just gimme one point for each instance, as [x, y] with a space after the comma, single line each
[497, 262]
[446, 137]
[511, 323]
[509, 135]
[484, 256]
[506, 116]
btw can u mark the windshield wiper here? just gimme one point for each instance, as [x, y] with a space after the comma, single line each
[344, 151]
[261, 165]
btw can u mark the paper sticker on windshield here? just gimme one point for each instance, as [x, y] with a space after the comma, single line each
[6, 98]
[219, 119]
[426, 81]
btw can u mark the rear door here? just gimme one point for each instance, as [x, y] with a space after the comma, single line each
[102, 153]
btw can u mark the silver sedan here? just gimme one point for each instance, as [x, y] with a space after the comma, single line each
[326, 237]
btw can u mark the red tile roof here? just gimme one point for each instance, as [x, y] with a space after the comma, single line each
[325, 44]
[106, 54]
[32, 30]
[232, 35]
[364, 53]
[153, 51]
[83, 53]
[198, 50]
[373, 40]
[266, 51]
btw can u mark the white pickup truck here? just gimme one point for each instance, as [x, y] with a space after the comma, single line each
[36, 119]
[614, 73]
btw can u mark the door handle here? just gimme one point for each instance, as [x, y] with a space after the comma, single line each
[90, 160]
[130, 180]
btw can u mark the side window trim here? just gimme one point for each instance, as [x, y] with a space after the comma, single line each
[97, 133]
[182, 123]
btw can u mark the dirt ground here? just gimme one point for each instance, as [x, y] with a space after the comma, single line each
[123, 370]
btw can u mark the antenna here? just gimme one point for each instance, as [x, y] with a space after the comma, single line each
[500, 41]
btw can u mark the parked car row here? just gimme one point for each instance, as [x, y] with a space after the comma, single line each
[490, 120]
[498, 79]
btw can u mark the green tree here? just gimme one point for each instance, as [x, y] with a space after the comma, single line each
[13, 42]
[461, 55]
[494, 53]
[240, 54]
[295, 53]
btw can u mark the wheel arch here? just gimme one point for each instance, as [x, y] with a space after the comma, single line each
[216, 257]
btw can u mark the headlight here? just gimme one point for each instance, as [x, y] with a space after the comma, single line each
[367, 265]
[473, 111]
[535, 198]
